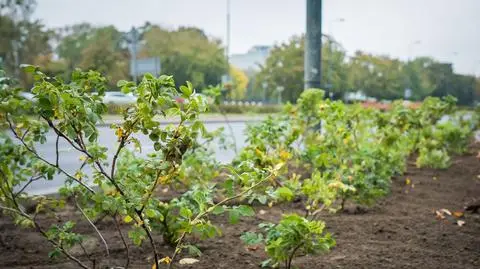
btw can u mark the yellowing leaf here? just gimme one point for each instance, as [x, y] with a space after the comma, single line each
[119, 132]
[457, 214]
[154, 266]
[83, 158]
[165, 260]
[408, 181]
[127, 219]
[284, 155]
[163, 179]
[279, 166]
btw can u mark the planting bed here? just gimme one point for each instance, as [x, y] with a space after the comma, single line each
[400, 231]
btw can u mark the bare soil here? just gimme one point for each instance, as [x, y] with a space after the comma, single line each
[400, 231]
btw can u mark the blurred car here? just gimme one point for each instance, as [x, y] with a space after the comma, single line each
[119, 98]
[28, 96]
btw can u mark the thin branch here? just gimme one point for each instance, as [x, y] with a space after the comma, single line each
[31, 150]
[152, 189]
[114, 161]
[60, 133]
[13, 210]
[290, 258]
[31, 180]
[232, 133]
[44, 234]
[26, 132]
[202, 214]
[57, 156]
[127, 249]
[93, 225]
[150, 237]
[55, 244]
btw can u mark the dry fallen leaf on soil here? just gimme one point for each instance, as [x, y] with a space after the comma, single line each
[439, 215]
[460, 223]
[251, 248]
[457, 214]
[185, 261]
[478, 155]
[446, 211]
[262, 212]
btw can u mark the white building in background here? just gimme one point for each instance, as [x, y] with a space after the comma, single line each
[252, 59]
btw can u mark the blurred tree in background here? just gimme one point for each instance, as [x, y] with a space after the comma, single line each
[191, 55]
[187, 53]
[239, 84]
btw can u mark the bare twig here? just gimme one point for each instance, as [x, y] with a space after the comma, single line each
[57, 155]
[93, 225]
[127, 249]
[150, 237]
[114, 161]
[30, 181]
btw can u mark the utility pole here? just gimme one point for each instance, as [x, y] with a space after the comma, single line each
[313, 45]
[132, 38]
[227, 45]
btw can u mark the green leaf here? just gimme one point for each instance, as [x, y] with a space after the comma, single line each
[186, 213]
[250, 238]
[233, 216]
[151, 213]
[157, 146]
[228, 186]
[28, 68]
[127, 219]
[54, 253]
[186, 91]
[246, 211]
[284, 193]
[194, 251]
[218, 210]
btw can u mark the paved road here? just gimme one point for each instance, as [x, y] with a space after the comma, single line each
[69, 157]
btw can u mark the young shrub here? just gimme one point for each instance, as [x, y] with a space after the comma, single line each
[291, 237]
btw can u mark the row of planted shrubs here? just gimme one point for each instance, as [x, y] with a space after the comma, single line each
[117, 109]
[349, 153]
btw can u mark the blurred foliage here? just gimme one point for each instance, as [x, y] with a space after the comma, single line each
[190, 54]
[239, 84]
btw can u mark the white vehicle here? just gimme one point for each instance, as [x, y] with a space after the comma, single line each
[119, 98]
[27, 95]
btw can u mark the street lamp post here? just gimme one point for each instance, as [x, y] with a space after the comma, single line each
[407, 94]
[329, 84]
[313, 44]
[264, 86]
[280, 89]
[132, 38]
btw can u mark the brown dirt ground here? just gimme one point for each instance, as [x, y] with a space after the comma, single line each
[400, 231]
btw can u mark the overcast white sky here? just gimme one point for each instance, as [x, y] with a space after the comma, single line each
[448, 30]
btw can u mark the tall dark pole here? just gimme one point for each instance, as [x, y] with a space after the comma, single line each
[313, 45]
